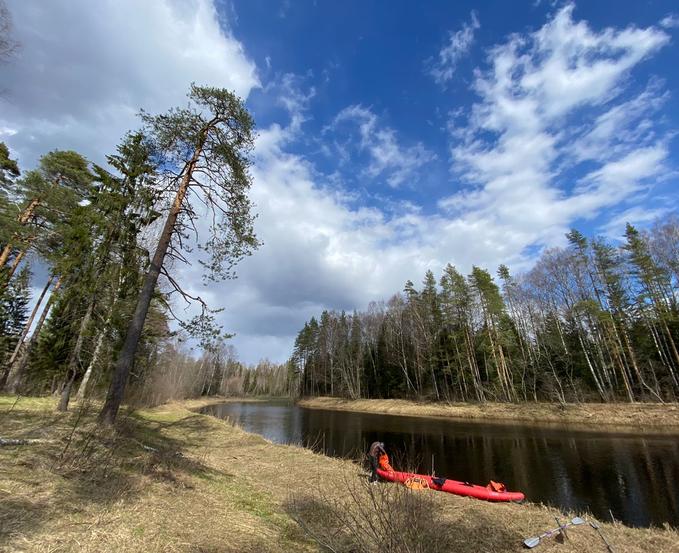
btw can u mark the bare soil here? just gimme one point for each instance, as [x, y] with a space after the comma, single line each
[170, 480]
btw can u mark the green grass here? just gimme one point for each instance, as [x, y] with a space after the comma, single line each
[12, 401]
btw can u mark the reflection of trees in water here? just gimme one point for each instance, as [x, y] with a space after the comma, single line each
[634, 477]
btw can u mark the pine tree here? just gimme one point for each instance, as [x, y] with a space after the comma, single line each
[211, 138]
[456, 302]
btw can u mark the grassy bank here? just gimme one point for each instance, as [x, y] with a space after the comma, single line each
[637, 417]
[170, 480]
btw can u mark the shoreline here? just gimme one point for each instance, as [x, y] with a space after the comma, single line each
[173, 481]
[636, 418]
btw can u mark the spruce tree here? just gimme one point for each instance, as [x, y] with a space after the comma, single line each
[14, 303]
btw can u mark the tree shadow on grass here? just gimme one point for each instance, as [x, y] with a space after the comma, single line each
[17, 515]
[85, 466]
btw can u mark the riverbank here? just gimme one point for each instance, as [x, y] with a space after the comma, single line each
[637, 417]
[170, 480]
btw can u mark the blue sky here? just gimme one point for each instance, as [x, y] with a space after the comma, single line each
[393, 136]
[381, 56]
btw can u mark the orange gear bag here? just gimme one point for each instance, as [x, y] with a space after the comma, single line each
[496, 486]
[416, 483]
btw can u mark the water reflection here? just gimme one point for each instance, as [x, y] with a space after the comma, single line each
[633, 477]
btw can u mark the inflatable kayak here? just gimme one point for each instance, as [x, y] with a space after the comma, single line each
[452, 486]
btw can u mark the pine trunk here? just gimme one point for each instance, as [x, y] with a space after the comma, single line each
[4, 256]
[13, 267]
[23, 219]
[88, 373]
[126, 356]
[99, 343]
[66, 393]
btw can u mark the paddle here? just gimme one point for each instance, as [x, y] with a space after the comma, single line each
[530, 543]
[596, 527]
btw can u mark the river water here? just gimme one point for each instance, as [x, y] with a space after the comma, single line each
[633, 478]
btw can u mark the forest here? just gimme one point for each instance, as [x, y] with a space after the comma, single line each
[109, 243]
[593, 321]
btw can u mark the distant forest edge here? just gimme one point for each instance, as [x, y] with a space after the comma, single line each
[589, 322]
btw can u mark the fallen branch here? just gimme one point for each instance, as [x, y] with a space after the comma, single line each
[146, 447]
[23, 441]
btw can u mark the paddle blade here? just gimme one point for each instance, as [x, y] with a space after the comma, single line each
[577, 520]
[530, 543]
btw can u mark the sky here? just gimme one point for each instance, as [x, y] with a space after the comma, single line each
[393, 137]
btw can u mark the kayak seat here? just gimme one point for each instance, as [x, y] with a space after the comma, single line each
[438, 481]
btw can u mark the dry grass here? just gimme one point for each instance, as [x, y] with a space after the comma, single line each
[624, 417]
[169, 480]
[377, 519]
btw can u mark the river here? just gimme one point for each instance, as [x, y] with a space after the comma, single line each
[633, 478]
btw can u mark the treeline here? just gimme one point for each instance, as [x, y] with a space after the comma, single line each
[109, 240]
[178, 375]
[589, 322]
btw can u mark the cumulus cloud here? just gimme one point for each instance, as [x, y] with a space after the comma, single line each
[548, 101]
[83, 71]
[459, 43]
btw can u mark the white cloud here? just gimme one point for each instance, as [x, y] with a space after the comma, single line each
[622, 127]
[399, 164]
[670, 21]
[83, 70]
[319, 252]
[529, 128]
[615, 181]
[291, 96]
[459, 44]
[637, 216]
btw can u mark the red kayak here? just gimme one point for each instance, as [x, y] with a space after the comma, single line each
[453, 486]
